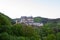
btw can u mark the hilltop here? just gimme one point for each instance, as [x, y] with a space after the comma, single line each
[49, 31]
[43, 20]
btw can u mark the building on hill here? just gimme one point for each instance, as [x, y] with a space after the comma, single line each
[34, 24]
[28, 21]
[25, 19]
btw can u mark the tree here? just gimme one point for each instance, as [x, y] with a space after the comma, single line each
[58, 36]
[4, 20]
[51, 37]
[37, 19]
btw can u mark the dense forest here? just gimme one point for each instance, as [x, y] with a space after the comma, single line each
[11, 31]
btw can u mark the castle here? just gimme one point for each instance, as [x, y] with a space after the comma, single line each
[28, 21]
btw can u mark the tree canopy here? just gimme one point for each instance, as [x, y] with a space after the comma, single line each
[4, 20]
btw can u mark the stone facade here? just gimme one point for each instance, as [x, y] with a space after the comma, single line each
[25, 19]
[28, 21]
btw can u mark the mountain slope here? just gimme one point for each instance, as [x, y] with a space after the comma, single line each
[4, 20]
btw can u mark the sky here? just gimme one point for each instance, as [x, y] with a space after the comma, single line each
[42, 8]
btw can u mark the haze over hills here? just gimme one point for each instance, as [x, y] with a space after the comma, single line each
[40, 19]
[43, 20]
[21, 31]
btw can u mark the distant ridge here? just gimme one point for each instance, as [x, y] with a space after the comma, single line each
[43, 20]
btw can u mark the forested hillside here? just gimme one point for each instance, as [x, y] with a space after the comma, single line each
[11, 31]
[46, 20]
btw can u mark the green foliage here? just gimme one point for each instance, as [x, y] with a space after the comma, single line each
[37, 19]
[51, 37]
[4, 36]
[4, 20]
[50, 31]
[21, 30]
[58, 36]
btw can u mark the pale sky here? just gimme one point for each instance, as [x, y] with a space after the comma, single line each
[18, 8]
